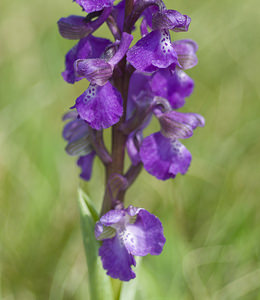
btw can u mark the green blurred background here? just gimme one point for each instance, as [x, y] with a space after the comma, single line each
[211, 215]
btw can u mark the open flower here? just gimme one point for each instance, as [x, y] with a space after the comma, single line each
[162, 154]
[125, 233]
[88, 47]
[99, 70]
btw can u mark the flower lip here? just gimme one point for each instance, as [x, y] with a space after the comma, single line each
[100, 106]
[164, 158]
[154, 51]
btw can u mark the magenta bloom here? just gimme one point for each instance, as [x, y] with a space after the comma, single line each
[125, 233]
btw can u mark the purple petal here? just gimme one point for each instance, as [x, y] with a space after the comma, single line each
[178, 125]
[186, 52]
[104, 232]
[119, 14]
[76, 132]
[86, 163]
[72, 114]
[74, 27]
[138, 86]
[163, 157]
[125, 42]
[133, 145]
[133, 211]
[145, 236]
[116, 259]
[192, 119]
[88, 47]
[113, 217]
[100, 106]
[171, 19]
[95, 70]
[173, 129]
[152, 52]
[144, 28]
[174, 86]
[94, 5]
[148, 14]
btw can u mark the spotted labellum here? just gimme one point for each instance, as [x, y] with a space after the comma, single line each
[130, 82]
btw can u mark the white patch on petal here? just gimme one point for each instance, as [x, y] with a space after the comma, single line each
[165, 42]
[177, 148]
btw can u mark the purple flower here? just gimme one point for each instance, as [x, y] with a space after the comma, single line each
[98, 70]
[152, 52]
[76, 132]
[163, 157]
[85, 163]
[125, 233]
[174, 86]
[88, 47]
[100, 106]
[94, 5]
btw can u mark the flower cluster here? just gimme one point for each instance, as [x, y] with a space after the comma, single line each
[128, 86]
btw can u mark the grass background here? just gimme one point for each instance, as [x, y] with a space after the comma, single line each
[211, 215]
